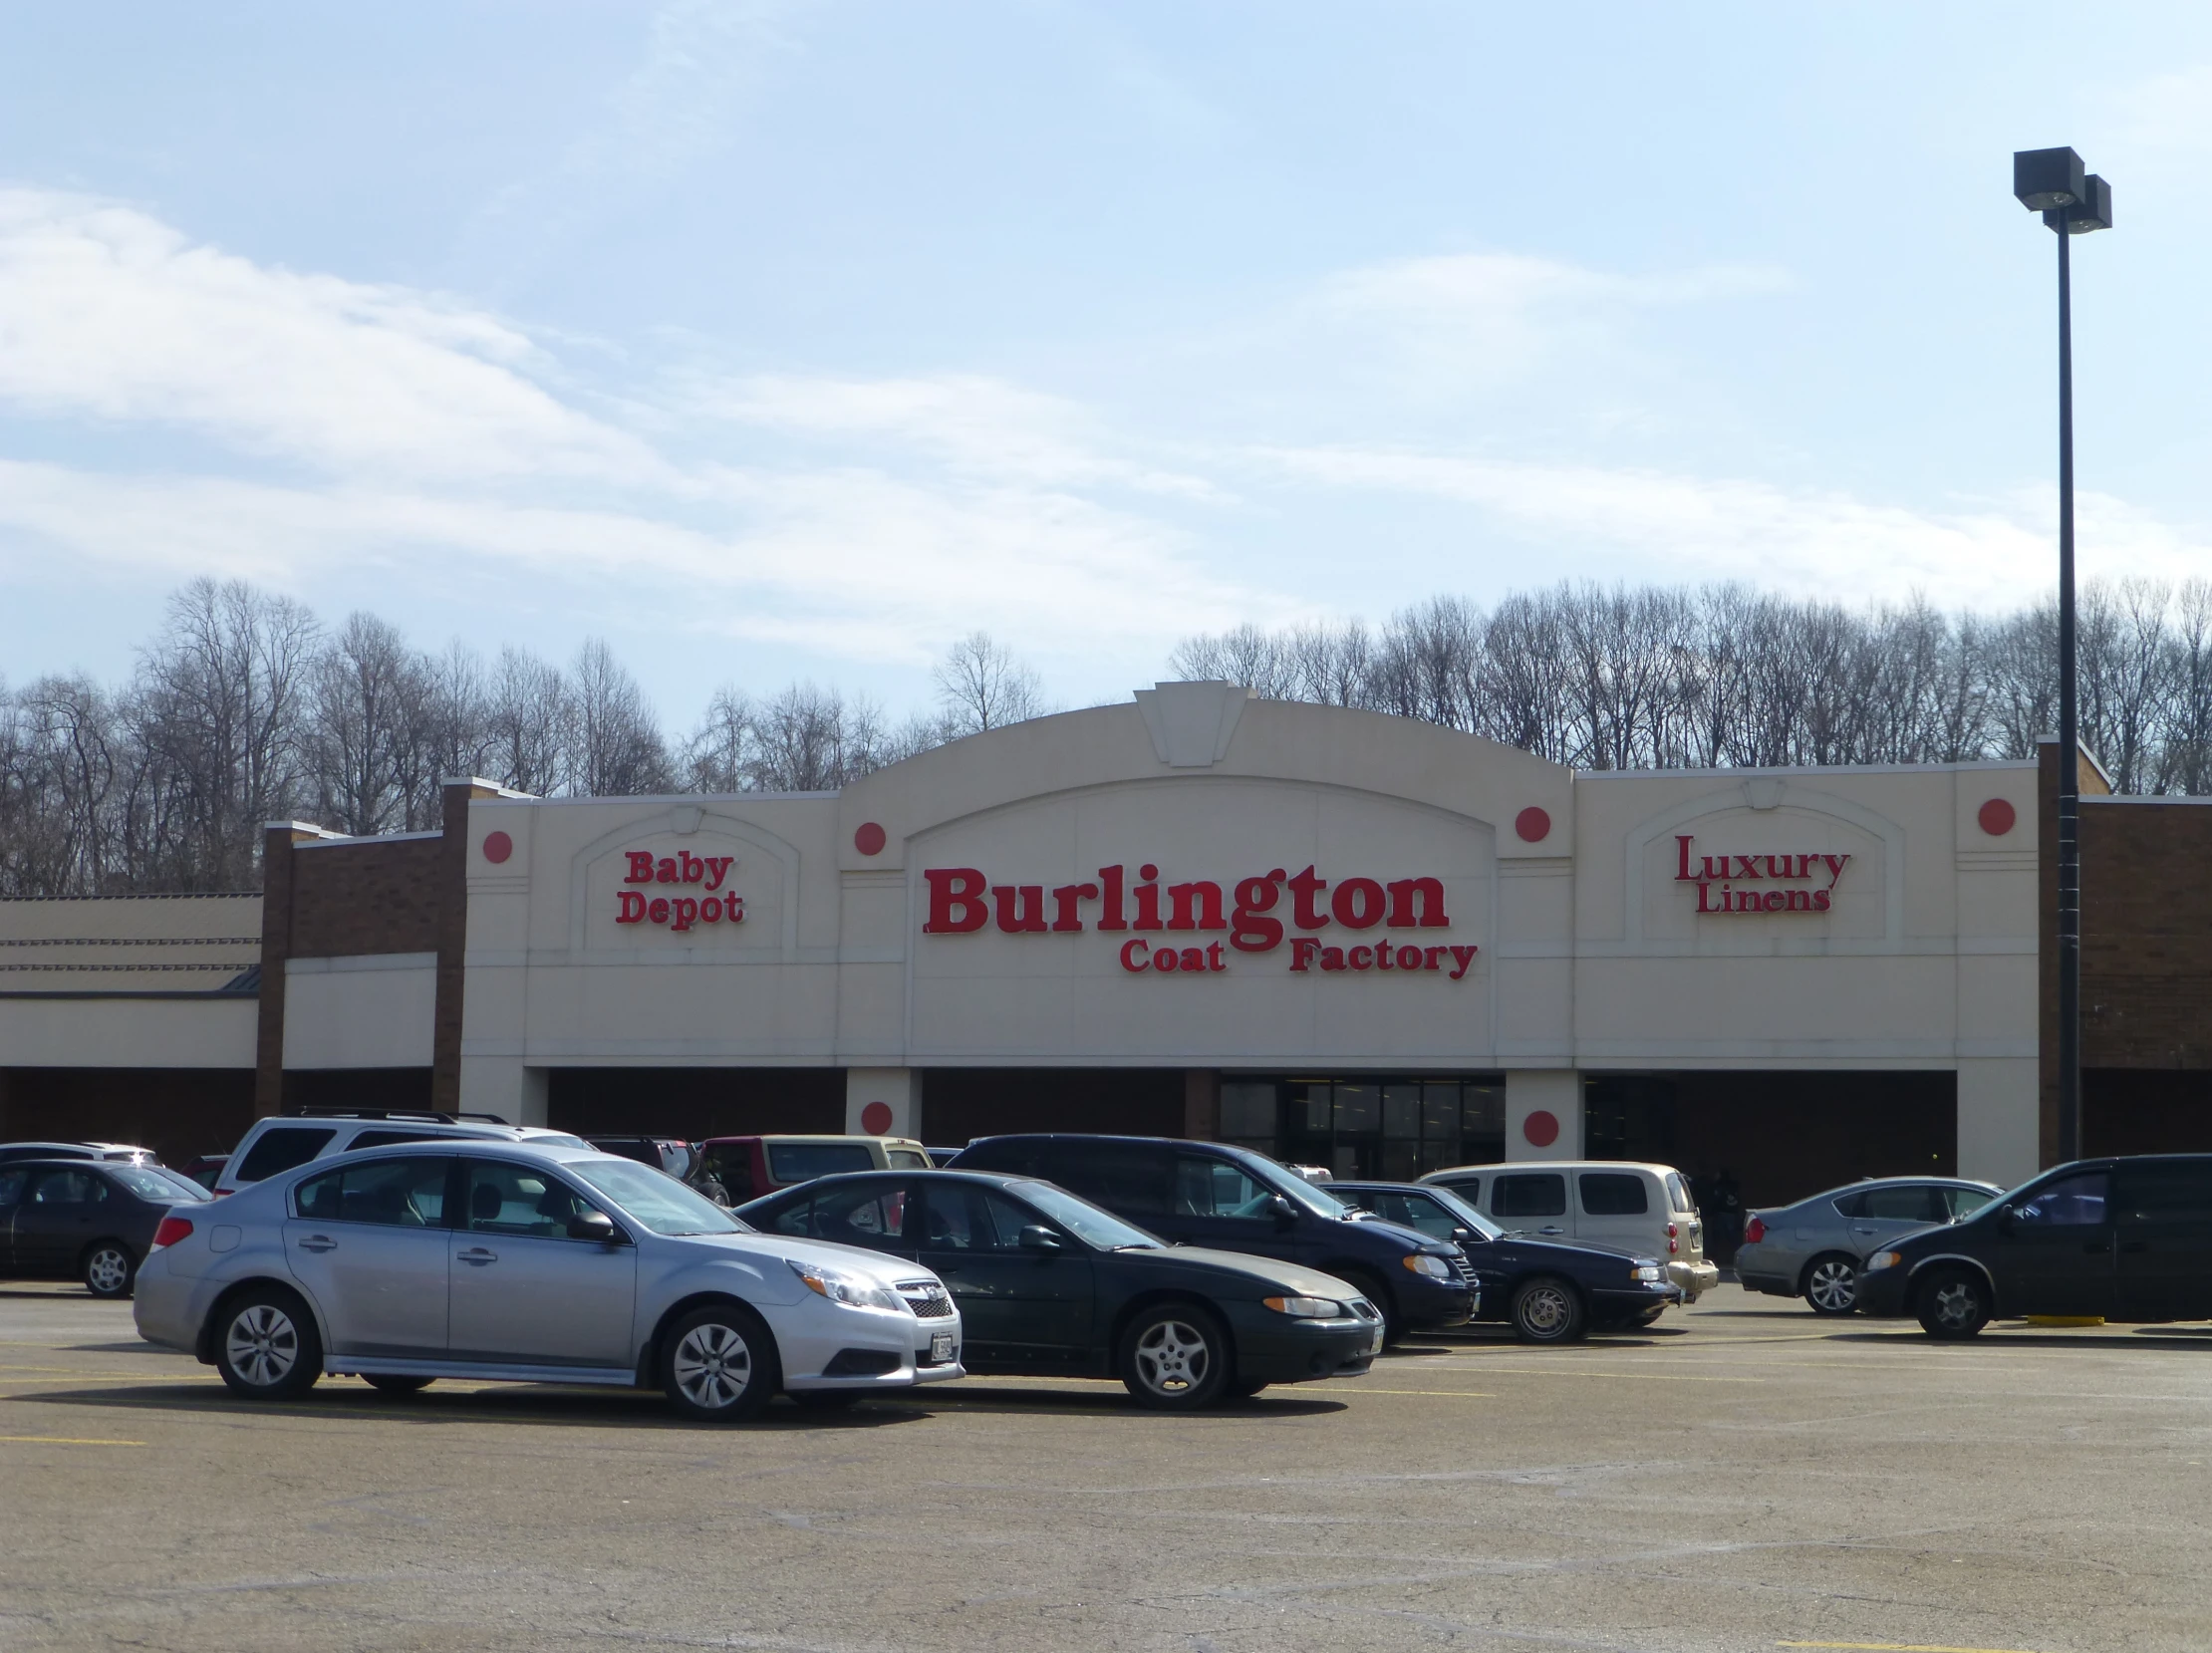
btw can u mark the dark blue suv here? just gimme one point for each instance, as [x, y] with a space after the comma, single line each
[1232, 1200]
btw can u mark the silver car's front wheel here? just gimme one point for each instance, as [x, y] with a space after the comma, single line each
[1832, 1284]
[266, 1345]
[721, 1365]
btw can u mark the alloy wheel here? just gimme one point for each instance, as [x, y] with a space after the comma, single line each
[1544, 1310]
[712, 1366]
[1173, 1358]
[107, 1271]
[263, 1345]
[1832, 1286]
[1956, 1303]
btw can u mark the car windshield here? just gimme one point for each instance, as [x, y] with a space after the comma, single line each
[656, 1199]
[1466, 1214]
[148, 1183]
[1087, 1222]
[1278, 1179]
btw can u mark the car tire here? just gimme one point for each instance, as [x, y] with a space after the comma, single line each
[1953, 1303]
[1548, 1309]
[266, 1345]
[396, 1383]
[109, 1270]
[1174, 1357]
[1394, 1323]
[1832, 1284]
[718, 1365]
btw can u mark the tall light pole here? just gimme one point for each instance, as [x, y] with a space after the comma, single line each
[2051, 183]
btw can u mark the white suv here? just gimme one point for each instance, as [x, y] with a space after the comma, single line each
[1639, 1207]
[279, 1144]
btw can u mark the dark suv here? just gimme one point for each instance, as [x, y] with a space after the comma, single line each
[2125, 1239]
[1232, 1200]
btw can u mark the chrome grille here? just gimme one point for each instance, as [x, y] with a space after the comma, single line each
[927, 1298]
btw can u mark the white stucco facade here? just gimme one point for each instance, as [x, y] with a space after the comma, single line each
[1004, 901]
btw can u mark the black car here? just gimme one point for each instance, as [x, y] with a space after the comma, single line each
[1549, 1292]
[2122, 1239]
[1234, 1199]
[1048, 1284]
[85, 1219]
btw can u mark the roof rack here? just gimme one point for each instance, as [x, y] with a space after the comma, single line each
[420, 1116]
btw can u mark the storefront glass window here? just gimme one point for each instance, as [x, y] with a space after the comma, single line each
[1354, 1126]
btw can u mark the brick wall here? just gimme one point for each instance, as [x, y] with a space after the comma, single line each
[2146, 939]
[370, 896]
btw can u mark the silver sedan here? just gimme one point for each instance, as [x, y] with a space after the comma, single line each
[1812, 1249]
[523, 1263]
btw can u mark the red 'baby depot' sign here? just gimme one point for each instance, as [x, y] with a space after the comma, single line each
[1254, 915]
[683, 910]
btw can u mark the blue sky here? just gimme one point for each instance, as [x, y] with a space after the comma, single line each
[780, 340]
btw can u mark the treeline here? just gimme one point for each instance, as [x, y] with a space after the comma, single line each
[244, 708]
[1661, 677]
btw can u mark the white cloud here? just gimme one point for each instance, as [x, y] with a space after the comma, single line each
[110, 315]
[1676, 527]
[977, 425]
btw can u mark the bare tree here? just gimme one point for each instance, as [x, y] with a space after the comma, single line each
[616, 749]
[526, 724]
[366, 696]
[982, 686]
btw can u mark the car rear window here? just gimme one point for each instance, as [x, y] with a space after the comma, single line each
[1902, 1202]
[1678, 1194]
[1613, 1194]
[906, 1159]
[1529, 1194]
[161, 1186]
[390, 1138]
[802, 1162]
[281, 1149]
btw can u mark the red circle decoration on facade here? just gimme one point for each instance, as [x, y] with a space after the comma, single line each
[1534, 825]
[870, 840]
[1541, 1127]
[1997, 817]
[497, 847]
[875, 1119]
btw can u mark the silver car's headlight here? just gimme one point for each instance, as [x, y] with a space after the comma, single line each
[849, 1290]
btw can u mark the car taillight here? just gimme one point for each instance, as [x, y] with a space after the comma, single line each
[172, 1230]
[1755, 1230]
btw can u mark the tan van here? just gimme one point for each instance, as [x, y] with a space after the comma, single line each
[1638, 1207]
[749, 1167]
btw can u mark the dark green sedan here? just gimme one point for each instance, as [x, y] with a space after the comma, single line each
[1051, 1285]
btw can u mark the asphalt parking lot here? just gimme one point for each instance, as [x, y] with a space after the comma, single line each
[1745, 1476]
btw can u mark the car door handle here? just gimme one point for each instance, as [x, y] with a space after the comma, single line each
[1864, 1227]
[1549, 1228]
[478, 1256]
[318, 1242]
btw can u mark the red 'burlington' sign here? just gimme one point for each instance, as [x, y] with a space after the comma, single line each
[1248, 914]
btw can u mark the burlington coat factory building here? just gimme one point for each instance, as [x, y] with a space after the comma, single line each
[1346, 939]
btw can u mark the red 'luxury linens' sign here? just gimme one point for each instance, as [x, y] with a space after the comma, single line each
[961, 901]
[1721, 879]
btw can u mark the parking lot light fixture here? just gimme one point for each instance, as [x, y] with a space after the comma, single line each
[2073, 201]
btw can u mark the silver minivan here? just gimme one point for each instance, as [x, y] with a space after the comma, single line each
[1630, 1204]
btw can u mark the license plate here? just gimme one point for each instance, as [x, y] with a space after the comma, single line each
[1374, 1343]
[940, 1347]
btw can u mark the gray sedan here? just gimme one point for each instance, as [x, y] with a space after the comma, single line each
[1812, 1249]
[528, 1263]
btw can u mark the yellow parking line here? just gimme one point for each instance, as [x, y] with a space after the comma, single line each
[1900, 1647]
[70, 1440]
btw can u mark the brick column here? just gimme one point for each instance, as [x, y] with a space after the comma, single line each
[453, 941]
